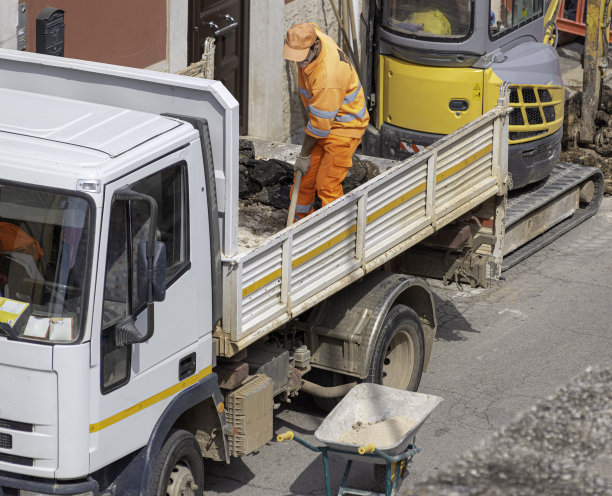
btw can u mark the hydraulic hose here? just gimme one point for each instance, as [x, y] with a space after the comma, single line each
[327, 392]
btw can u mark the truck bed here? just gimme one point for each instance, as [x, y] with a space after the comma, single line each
[300, 266]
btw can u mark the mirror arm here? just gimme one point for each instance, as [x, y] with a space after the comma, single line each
[127, 194]
[126, 332]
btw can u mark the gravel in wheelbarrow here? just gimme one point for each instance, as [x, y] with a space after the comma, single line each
[385, 417]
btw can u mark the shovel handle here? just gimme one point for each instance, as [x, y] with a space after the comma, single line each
[294, 197]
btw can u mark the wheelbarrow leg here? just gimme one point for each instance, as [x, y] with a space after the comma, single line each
[326, 468]
[345, 477]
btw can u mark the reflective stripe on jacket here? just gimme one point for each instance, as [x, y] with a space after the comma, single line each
[331, 91]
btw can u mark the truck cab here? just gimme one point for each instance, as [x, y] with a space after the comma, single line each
[84, 190]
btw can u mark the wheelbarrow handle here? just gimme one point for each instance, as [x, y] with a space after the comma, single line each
[285, 436]
[368, 448]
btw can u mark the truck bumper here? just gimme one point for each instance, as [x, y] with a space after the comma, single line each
[533, 161]
[527, 162]
[395, 142]
[10, 484]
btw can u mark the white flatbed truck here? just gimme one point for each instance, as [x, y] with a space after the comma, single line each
[134, 337]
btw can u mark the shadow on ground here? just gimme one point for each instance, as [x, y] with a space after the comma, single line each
[452, 325]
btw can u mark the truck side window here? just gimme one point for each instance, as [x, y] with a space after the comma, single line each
[129, 225]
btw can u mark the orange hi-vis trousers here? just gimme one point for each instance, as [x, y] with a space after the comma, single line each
[330, 161]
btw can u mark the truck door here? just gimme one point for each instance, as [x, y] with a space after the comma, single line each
[137, 381]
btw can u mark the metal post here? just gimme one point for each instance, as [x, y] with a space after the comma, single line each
[598, 12]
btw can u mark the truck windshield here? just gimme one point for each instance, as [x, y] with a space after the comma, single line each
[431, 19]
[44, 252]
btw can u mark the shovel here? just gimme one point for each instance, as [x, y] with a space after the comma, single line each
[294, 197]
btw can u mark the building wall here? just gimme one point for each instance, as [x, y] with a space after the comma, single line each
[131, 33]
[8, 23]
[275, 109]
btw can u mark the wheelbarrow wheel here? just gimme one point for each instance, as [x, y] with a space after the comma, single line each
[380, 476]
[398, 356]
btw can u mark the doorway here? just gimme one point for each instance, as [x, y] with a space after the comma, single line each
[227, 21]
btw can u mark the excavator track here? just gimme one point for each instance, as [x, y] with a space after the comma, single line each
[524, 208]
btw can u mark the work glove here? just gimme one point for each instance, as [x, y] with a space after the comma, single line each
[302, 164]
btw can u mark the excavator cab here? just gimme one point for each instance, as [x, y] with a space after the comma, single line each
[434, 65]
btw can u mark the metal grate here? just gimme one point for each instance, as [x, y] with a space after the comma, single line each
[16, 426]
[516, 118]
[529, 95]
[525, 135]
[544, 96]
[550, 114]
[6, 441]
[513, 95]
[17, 460]
[533, 115]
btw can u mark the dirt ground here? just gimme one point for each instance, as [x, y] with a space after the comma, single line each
[591, 158]
[598, 153]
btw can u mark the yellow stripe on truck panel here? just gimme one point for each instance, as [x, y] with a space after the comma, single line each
[417, 97]
[325, 246]
[260, 283]
[251, 288]
[103, 424]
[464, 163]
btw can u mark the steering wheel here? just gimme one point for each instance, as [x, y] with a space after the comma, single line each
[553, 35]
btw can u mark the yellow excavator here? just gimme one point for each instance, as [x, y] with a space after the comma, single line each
[431, 66]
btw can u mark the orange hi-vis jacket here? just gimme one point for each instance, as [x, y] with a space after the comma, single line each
[331, 91]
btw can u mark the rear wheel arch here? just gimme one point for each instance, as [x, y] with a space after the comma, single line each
[411, 292]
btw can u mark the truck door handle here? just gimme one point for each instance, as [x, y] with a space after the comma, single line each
[226, 29]
[187, 366]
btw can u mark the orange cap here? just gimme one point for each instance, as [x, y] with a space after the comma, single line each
[299, 40]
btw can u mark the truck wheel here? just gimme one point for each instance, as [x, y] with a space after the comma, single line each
[179, 469]
[397, 360]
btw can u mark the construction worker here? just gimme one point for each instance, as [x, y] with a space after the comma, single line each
[337, 114]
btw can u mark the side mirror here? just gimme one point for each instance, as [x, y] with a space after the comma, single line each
[155, 276]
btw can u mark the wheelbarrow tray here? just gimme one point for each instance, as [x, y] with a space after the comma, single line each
[370, 403]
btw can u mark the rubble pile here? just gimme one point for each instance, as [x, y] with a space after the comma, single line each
[264, 191]
[598, 154]
[268, 181]
[563, 446]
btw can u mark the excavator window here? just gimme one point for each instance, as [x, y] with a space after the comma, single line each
[506, 15]
[442, 19]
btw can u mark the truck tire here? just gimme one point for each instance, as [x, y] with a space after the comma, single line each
[397, 359]
[179, 468]
[399, 351]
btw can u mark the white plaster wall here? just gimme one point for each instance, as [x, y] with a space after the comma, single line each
[321, 12]
[275, 109]
[177, 18]
[8, 23]
[266, 66]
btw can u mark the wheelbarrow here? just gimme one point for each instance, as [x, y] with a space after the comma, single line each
[359, 414]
